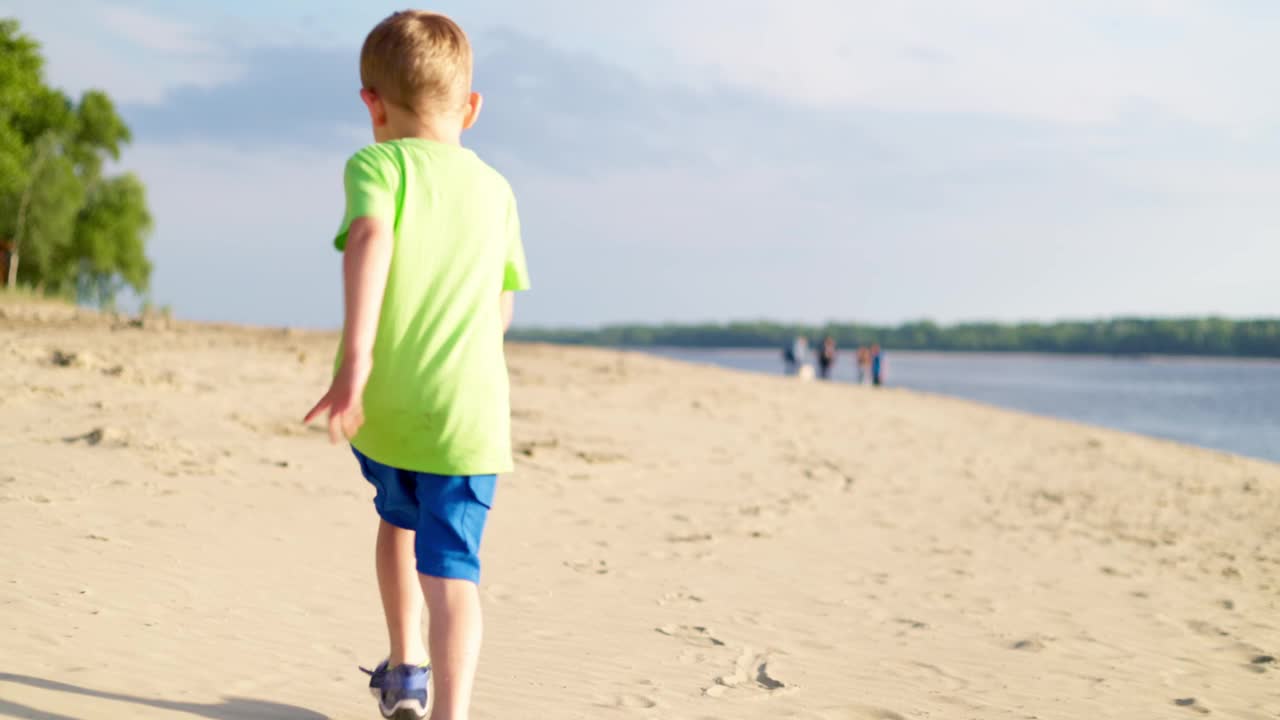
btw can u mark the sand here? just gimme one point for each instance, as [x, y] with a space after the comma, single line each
[678, 542]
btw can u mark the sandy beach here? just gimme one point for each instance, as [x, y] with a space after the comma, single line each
[678, 543]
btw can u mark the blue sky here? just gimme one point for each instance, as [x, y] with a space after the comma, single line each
[684, 160]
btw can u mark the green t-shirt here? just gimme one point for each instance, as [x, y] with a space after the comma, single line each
[437, 399]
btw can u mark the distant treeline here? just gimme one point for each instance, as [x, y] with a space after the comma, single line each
[1120, 336]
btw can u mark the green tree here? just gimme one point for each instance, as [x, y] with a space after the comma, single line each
[107, 245]
[72, 230]
[1120, 336]
[20, 66]
[46, 216]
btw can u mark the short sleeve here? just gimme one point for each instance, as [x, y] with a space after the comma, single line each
[371, 182]
[515, 274]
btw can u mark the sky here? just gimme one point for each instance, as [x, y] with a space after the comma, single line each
[700, 160]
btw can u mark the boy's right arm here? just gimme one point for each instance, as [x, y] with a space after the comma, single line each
[366, 237]
[366, 260]
[365, 265]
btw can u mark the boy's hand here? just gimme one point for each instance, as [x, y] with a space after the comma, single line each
[344, 402]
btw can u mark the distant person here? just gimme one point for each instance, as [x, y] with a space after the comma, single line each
[877, 366]
[421, 387]
[796, 356]
[863, 360]
[827, 357]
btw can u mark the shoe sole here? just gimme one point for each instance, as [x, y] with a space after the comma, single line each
[403, 710]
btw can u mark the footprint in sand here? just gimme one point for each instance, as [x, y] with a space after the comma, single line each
[1258, 664]
[830, 472]
[529, 448]
[1201, 627]
[751, 675]
[292, 429]
[697, 537]
[599, 457]
[72, 359]
[1028, 645]
[104, 436]
[679, 597]
[277, 428]
[1191, 703]
[630, 701]
[497, 593]
[695, 635]
[588, 567]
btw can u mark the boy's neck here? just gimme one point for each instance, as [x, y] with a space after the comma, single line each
[446, 130]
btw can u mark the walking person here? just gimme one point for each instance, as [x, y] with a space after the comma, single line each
[863, 361]
[827, 357]
[796, 357]
[877, 366]
[431, 256]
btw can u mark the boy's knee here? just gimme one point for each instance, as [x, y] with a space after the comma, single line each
[447, 590]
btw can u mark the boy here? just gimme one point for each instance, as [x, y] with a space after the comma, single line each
[431, 255]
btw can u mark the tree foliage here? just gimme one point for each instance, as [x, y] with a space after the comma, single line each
[1119, 336]
[107, 246]
[76, 232]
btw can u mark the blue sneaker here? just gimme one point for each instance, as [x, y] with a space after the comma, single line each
[401, 691]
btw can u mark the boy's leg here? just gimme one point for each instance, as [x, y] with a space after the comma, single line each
[455, 631]
[401, 594]
[448, 545]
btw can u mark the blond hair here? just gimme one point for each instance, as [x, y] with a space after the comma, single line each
[418, 60]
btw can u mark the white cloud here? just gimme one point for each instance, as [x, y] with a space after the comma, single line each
[1079, 61]
[1083, 61]
[152, 32]
[1069, 61]
[135, 56]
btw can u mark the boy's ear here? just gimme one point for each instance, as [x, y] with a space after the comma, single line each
[474, 102]
[377, 110]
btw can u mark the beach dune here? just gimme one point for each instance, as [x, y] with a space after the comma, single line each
[678, 542]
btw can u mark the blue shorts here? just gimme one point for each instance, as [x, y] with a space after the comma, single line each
[447, 514]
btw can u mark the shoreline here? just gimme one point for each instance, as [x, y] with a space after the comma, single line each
[1153, 358]
[1024, 398]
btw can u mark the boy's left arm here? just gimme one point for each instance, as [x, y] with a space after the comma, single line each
[507, 301]
[515, 275]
